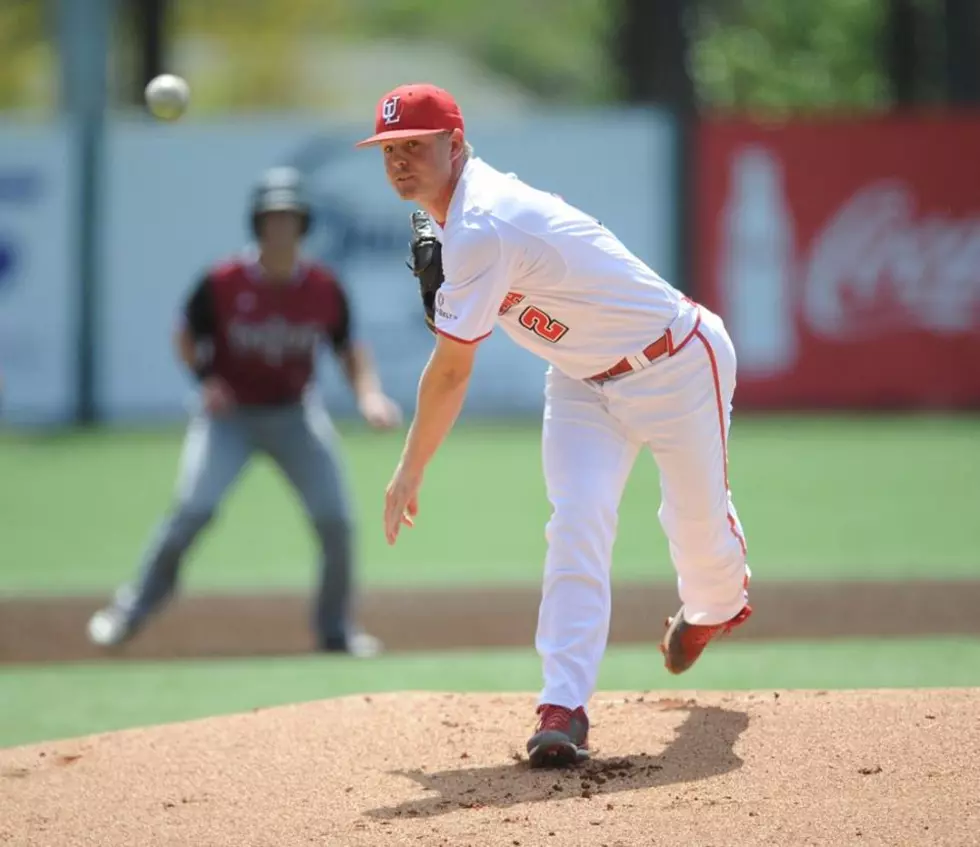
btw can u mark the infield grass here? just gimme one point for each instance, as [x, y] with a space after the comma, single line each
[59, 701]
[820, 498]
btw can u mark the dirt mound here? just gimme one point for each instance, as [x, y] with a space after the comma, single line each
[780, 768]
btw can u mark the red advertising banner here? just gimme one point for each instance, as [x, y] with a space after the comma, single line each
[845, 259]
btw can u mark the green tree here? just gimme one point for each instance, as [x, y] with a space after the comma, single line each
[257, 41]
[28, 72]
[755, 55]
[782, 55]
[554, 48]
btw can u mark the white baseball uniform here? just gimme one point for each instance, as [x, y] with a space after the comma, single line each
[564, 287]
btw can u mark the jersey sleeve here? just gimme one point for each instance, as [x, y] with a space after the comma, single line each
[340, 330]
[476, 282]
[198, 313]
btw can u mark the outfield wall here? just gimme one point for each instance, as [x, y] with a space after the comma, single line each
[37, 281]
[175, 200]
[845, 258]
[843, 254]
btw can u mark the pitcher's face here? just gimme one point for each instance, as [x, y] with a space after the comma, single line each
[421, 168]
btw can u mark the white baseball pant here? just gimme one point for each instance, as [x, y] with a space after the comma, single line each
[679, 406]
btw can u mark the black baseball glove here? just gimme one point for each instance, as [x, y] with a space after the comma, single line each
[426, 264]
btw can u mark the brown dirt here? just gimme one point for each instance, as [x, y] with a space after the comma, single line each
[44, 629]
[773, 768]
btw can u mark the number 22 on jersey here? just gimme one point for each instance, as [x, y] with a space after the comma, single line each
[535, 320]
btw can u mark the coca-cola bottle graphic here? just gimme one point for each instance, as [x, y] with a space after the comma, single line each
[757, 265]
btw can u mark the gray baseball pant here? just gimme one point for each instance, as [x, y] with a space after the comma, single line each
[300, 440]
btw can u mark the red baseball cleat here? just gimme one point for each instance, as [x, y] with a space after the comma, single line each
[684, 642]
[561, 739]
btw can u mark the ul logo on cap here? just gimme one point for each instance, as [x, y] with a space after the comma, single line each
[389, 110]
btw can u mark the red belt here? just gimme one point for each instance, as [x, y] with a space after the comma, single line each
[654, 350]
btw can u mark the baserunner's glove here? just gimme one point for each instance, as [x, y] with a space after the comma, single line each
[426, 264]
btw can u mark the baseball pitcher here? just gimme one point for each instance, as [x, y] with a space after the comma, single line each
[249, 332]
[634, 364]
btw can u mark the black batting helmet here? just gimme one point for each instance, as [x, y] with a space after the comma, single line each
[281, 190]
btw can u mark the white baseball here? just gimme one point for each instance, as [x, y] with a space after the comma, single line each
[167, 96]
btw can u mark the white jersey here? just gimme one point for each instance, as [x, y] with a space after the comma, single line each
[557, 281]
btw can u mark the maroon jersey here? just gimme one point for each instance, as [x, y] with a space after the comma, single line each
[264, 333]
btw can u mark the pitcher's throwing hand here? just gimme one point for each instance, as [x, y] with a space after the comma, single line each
[401, 502]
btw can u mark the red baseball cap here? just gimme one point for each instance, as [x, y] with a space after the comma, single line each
[411, 111]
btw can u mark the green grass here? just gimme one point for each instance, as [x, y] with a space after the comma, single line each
[820, 498]
[60, 701]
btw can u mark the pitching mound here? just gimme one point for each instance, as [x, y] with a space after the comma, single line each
[793, 768]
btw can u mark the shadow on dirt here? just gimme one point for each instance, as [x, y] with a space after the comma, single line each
[702, 748]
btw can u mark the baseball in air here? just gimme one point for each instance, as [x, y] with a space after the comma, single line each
[167, 96]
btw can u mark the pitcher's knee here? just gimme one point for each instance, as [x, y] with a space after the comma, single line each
[715, 537]
[586, 516]
[587, 525]
[580, 537]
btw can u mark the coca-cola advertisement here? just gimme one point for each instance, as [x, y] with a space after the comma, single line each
[845, 259]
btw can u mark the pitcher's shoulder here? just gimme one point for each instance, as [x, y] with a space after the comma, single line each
[472, 240]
